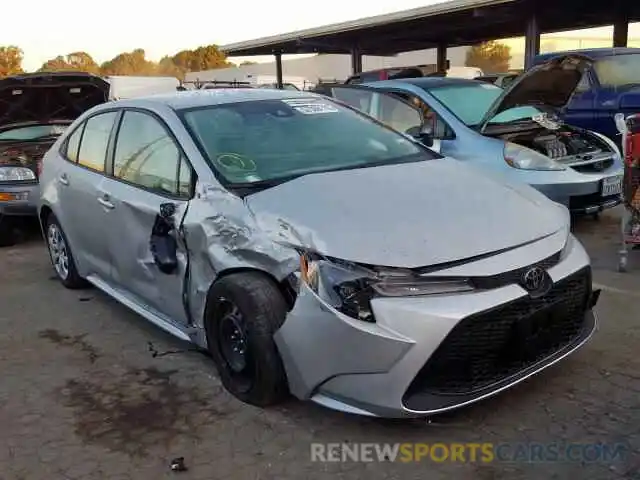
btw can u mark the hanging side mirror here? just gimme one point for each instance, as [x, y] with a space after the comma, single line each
[162, 243]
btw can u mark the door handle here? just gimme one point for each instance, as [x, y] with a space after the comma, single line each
[106, 203]
[63, 179]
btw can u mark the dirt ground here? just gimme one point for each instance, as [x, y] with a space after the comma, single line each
[82, 396]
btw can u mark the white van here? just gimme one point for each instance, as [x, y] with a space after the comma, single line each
[124, 86]
[465, 72]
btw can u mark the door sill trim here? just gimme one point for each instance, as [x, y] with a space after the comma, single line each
[164, 324]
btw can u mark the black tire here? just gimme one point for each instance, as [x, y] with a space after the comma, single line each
[7, 231]
[262, 309]
[72, 279]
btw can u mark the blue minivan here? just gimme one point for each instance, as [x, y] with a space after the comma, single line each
[610, 85]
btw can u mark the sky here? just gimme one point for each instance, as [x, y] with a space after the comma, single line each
[66, 26]
[160, 28]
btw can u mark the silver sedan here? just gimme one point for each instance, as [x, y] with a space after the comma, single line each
[314, 251]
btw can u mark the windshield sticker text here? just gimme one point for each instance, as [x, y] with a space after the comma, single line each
[311, 106]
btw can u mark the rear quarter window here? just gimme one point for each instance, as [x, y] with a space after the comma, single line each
[95, 139]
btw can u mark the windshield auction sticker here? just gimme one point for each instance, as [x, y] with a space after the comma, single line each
[310, 106]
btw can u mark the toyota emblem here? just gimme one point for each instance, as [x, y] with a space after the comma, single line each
[536, 281]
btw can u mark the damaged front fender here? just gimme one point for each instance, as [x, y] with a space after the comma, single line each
[221, 234]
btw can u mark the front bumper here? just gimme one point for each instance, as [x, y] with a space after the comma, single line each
[427, 355]
[19, 200]
[585, 195]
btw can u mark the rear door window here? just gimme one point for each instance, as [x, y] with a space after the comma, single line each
[93, 147]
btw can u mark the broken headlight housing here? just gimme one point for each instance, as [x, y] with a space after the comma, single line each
[349, 288]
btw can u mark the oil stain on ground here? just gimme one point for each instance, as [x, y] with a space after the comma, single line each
[136, 410]
[77, 342]
[130, 410]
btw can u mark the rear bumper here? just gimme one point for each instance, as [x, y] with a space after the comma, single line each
[19, 200]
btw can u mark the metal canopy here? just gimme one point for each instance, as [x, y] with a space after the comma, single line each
[452, 23]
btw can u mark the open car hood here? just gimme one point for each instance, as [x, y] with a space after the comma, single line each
[549, 84]
[43, 97]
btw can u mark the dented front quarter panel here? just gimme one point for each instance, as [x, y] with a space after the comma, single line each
[222, 235]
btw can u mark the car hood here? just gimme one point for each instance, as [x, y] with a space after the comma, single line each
[45, 97]
[549, 84]
[408, 215]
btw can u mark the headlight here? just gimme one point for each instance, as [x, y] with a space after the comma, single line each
[568, 246]
[607, 141]
[350, 288]
[16, 174]
[525, 158]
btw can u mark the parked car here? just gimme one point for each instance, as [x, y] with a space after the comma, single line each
[514, 132]
[610, 84]
[384, 74]
[34, 110]
[502, 80]
[415, 71]
[296, 239]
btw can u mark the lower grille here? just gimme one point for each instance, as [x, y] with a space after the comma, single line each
[492, 346]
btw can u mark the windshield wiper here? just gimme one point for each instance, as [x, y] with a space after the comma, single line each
[246, 188]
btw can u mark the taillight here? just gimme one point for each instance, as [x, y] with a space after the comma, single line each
[384, 75]
[39, 167]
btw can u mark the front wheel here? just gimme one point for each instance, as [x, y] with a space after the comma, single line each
[61, 256]
[244, 310]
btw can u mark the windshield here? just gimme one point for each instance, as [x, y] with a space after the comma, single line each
[470, 103]
[266, 140]
[32, 132]
[618, 70]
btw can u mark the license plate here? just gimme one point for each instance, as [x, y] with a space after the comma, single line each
[612, 186]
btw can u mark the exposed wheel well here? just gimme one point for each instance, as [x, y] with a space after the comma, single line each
[285, 286]
[43, 215]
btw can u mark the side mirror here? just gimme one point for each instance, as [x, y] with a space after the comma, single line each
[426, 135]
[423, 134]
[162, 243]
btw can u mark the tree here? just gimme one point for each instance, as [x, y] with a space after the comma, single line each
[76, 61]
[129, 63]
[489, 56]
[167, 68]
[10, 61]
[207, 57]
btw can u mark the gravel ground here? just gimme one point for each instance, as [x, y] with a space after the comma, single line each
[82, 396]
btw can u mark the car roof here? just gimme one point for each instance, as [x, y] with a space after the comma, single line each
[435, 82]
[203, 98]
[588, 52]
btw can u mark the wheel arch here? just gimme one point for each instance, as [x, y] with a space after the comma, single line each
[285, 286]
